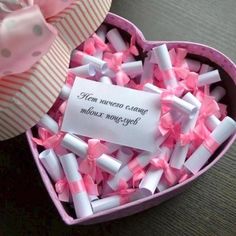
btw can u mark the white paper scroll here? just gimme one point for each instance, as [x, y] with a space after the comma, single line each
[105, 80]
[208, 78]
[79, 147]
[48, 123]
[84, 71]
[118, 42]
[52, 164]
[153, 176]
[65, 92]
[126, 174]
[124, 155]
[85, 59]
[201, 155]
[148, 71]
[180, 151]
[133, 68]
[163, 60]
[179, 104]
[80, 199]
[212, 121]
[101, 33]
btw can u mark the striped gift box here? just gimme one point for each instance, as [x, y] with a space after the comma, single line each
[26, 97]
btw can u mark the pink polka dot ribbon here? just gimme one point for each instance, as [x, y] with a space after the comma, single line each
[25, 35]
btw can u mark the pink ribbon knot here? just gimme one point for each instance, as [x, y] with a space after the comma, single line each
[62, 188]
[88, 165]
[187, 138]
[47, 140]
[169, 173]
[168, 125]
[92, 44]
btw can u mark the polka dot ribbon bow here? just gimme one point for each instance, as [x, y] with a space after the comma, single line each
[36, 41]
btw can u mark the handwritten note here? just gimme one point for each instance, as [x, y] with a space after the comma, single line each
[112, 113]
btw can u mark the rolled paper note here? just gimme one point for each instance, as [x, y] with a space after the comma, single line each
[152, 178]
[148, 70]
[212, 121]
[127, 172]
[84, 59]
[205, 68]
[108, 203]
[76, 185]
[118, 43]
[152, 88]
[124, 155]
[202, 154]
[193, 65]
[110, 73]
[65, 92]
[84, 71]
[180, 151]
[133, 68]
[48, 123]
[52, 164]
[93, 198]
[177, 103]
[218, 93]
[80, 148]
[208, 78]
[101, 33]
[163, 60]
[163, 185]
[106, 80]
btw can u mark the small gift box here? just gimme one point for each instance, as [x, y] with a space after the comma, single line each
[31, 94]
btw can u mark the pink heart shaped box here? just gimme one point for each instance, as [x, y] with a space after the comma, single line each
[197, 51]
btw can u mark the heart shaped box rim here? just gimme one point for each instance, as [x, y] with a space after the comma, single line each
[134, 207]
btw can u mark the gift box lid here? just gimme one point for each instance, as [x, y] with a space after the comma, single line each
[26, 97]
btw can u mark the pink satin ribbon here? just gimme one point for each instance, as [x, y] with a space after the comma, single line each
[186, 138]
[94, 43]
[24, 21]
[169, 173]
[77, 187]
[62, 189]
[211, 144]
[88, 165]
[47, 140]
[132, 50]
[134, 166]
[168, 125]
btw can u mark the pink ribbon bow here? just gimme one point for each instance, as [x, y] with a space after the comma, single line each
[114, 62]
[168, 125]
[187, 138]
[92, 44]
[62, 188]
[137, 177]
[209, 107]
[132, 50]
[88, 165]
[25, 21]
[169, 173]
[47, 140]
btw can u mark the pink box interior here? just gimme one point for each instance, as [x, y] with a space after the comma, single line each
[196, 51]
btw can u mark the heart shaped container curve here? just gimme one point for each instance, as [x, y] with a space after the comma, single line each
[196, 51]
